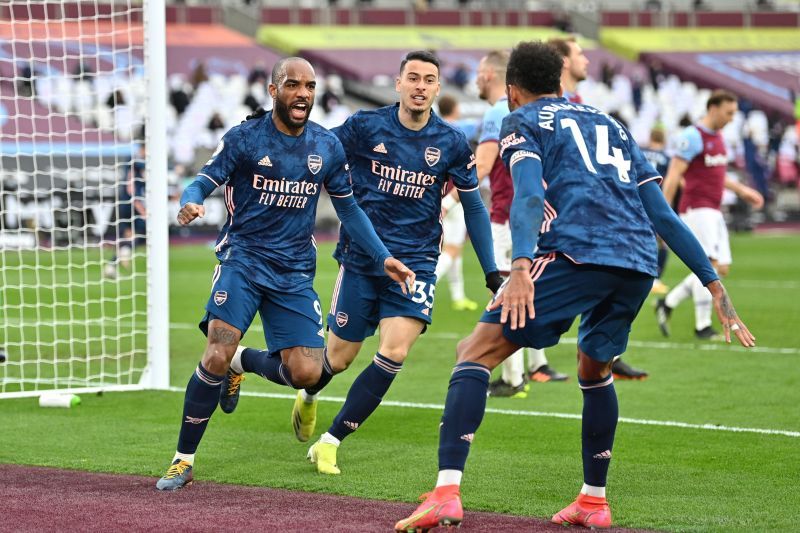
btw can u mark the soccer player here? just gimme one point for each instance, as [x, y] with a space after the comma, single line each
[700, 163]
[575, 68]
[656, 155]
[131, 214]
[573, 71]
[491, 81]
[597, 260]
[401, 157]
[273, 168]
[454, 230]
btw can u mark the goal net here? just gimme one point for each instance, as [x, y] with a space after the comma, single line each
[82, 197]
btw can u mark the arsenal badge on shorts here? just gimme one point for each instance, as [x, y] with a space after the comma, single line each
[432, 155]
[220, 297]
[341, 319]
[314, 163]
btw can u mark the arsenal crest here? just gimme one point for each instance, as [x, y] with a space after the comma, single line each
[314, 163]
[220, 297]
[341, 319]
[432, 155]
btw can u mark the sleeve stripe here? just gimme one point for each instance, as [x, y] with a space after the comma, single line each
[339, 196]
[522, 154]
[487, 140]
[659, 178]
[468, 190]
[209, 177]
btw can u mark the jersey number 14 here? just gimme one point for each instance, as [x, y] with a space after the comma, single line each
[602, 155]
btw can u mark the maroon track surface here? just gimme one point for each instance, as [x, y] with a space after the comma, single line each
[37, 499]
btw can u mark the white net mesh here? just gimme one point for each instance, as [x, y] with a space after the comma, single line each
[72, 208]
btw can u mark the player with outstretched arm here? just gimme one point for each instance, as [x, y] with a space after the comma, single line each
[597, 261]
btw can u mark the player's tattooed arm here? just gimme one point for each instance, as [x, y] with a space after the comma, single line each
[728, 317]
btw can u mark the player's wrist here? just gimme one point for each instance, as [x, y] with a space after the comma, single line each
[521, 264]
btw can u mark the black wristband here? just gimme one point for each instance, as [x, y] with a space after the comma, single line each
[493, 281]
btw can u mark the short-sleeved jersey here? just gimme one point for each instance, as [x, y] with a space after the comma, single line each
[658, 158]
[398, 177]
[499, 179]
[591, 169]
[272, 183]
[704, 180]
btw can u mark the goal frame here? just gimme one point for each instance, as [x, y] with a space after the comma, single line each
[156, 372]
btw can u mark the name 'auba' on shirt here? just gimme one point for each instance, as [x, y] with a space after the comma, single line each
[272, 184]
[591, 171]
[398, 177]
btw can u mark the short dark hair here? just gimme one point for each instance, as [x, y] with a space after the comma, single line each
[535, 67]
[420, 55]
[561, 44]
[279, 69]
[719, 97]
[447, 105]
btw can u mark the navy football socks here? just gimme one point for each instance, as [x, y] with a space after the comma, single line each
[365, 395]
[463, 413]
[599, 422]
[268, 365]
[202, 397]
[325, 378]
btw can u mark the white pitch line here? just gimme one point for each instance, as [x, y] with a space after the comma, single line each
[515, 412]
[708, 347]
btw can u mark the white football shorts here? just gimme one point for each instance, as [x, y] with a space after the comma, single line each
[708, 225]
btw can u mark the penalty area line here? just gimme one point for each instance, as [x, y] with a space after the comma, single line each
[543, 414]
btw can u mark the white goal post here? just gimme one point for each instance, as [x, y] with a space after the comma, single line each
[84, 288]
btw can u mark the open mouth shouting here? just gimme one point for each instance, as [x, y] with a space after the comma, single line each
[299, 111]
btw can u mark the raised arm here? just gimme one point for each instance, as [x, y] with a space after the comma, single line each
[213, 174]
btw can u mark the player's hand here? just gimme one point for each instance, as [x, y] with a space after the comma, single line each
[752, 197]
[190, 212]
[403, 275]
[259, 112]
[731, 322]
[493, 281]
[516, 296]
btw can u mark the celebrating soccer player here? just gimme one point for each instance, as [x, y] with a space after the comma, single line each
[401, 157]
[597, 260]
[273, 168]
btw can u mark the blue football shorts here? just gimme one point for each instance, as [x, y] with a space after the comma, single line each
[606, 298]
[361, 301]
[289, 318]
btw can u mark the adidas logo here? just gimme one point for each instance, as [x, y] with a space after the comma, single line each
[469, 437]
[351, 425]
[265, 162]
[602, 455]
[381, 149]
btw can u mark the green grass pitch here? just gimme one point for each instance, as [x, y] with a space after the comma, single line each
[662, 477]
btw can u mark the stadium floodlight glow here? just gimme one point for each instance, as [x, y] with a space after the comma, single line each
[83, 305]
